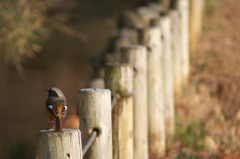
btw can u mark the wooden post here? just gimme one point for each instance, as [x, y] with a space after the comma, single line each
[143, 36]
[125, 36]
[184, 25]
[176, 51]
[183, 8]
[130, 19]
[196, 13]
[157, 6]
[137, 56]
[95, 114]
[165, 24]
[119, 79]
[156, 126]
[96, 83]
[57, 145]
[146, 13]
[173, 4]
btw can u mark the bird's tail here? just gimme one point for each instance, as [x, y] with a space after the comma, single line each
[58, 125]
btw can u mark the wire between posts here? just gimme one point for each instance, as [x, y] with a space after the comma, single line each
[90, 141]
[117, 96]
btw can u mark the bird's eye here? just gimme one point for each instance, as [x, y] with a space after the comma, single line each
[50, 106]
[65, 107]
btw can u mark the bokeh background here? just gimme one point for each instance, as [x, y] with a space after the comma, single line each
[49, 43]
[46, 44]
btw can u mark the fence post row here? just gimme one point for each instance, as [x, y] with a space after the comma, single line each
[156, 128]
[95, 115]
[119, 79]
[137, 56]
[135, 124]
[55, 145]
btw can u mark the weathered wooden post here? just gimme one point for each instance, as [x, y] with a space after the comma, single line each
[119, 79]
[176, 51]
[57, 145]
[151, 38]
[137, 56]
[183, 8]
[146, 13]
[95, 115]
[184, 25]
[196, 13]
[165, 24]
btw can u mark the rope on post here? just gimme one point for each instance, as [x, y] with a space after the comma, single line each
[90, 141]
[118, 96]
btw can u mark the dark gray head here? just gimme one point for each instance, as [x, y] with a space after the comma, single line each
[55, 93]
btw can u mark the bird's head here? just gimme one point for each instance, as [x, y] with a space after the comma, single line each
[55, 93]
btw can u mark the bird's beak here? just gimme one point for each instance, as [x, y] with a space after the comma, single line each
[47, 89]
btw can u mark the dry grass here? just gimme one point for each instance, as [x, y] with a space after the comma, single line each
[208, 115]
[22, 30]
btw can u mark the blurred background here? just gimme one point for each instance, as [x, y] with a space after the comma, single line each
[48, 43]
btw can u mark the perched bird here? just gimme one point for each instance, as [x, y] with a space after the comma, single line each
[55, 107]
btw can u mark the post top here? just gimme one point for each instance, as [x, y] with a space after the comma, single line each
[164, 13]
[132, 46]
[56, 132]
[154, 22]
[173, 11]
[118, 65]
[143, 29]
[94, 90]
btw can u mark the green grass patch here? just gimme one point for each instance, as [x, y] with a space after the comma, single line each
[191, 136]
[211, 5]
[184, 155]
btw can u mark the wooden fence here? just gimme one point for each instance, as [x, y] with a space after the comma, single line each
[131, 114]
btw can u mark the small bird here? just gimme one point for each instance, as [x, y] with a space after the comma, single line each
[55, 107]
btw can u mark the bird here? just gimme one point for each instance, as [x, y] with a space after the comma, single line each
[56, 108]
